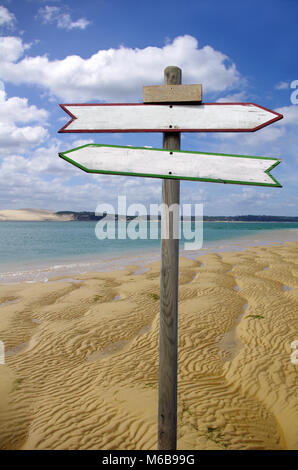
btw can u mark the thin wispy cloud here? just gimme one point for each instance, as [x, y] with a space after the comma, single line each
[282, 86]
[63, 20]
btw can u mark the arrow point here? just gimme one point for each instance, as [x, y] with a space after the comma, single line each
[279, 116]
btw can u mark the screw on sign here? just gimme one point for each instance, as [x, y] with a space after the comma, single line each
[171, 108]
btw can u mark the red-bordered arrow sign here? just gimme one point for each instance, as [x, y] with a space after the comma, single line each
[135, 117]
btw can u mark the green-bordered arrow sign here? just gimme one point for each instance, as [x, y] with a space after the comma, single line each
[184, 165]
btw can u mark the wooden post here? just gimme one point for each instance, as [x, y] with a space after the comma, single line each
[167, 389]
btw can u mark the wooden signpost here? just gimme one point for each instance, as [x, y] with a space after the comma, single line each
[180, 110]
[169, 283]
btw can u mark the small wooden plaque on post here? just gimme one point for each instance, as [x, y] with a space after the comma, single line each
[172, 94]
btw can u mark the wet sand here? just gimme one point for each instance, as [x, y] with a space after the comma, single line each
[81, 363]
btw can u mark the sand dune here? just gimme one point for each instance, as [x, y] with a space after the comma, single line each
[81, 366]
[32, 215]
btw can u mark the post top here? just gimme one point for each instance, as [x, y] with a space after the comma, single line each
[172, 75]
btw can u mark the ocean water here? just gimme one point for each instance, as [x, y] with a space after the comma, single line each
[39, 250]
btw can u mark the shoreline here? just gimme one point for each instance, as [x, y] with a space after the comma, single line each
[43, 271]
[158, 220]
[81, 364]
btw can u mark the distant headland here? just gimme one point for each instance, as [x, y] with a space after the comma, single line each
[42, 215]
[32, 215]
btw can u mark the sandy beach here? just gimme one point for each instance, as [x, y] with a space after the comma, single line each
[81, 356]
[32, 215]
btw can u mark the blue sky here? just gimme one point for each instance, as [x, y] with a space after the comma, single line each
[55, 52]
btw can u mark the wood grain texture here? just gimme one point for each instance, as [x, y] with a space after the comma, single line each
[172, 94]
[207, 117]
[158, 163]
[169, 280]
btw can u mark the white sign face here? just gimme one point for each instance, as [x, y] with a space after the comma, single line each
[158, 163]
[208, 117]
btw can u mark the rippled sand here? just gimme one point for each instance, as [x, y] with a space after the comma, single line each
[81, 366]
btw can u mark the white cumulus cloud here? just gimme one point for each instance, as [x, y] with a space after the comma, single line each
[11, 49]
[119, 74]
[20, 138]
[13, 112]
[17, 109]
[290, 115]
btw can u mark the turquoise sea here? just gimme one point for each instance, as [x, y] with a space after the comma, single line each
[37, 250]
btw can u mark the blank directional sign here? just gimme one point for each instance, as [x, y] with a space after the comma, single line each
[208, 117]
[159, 163]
